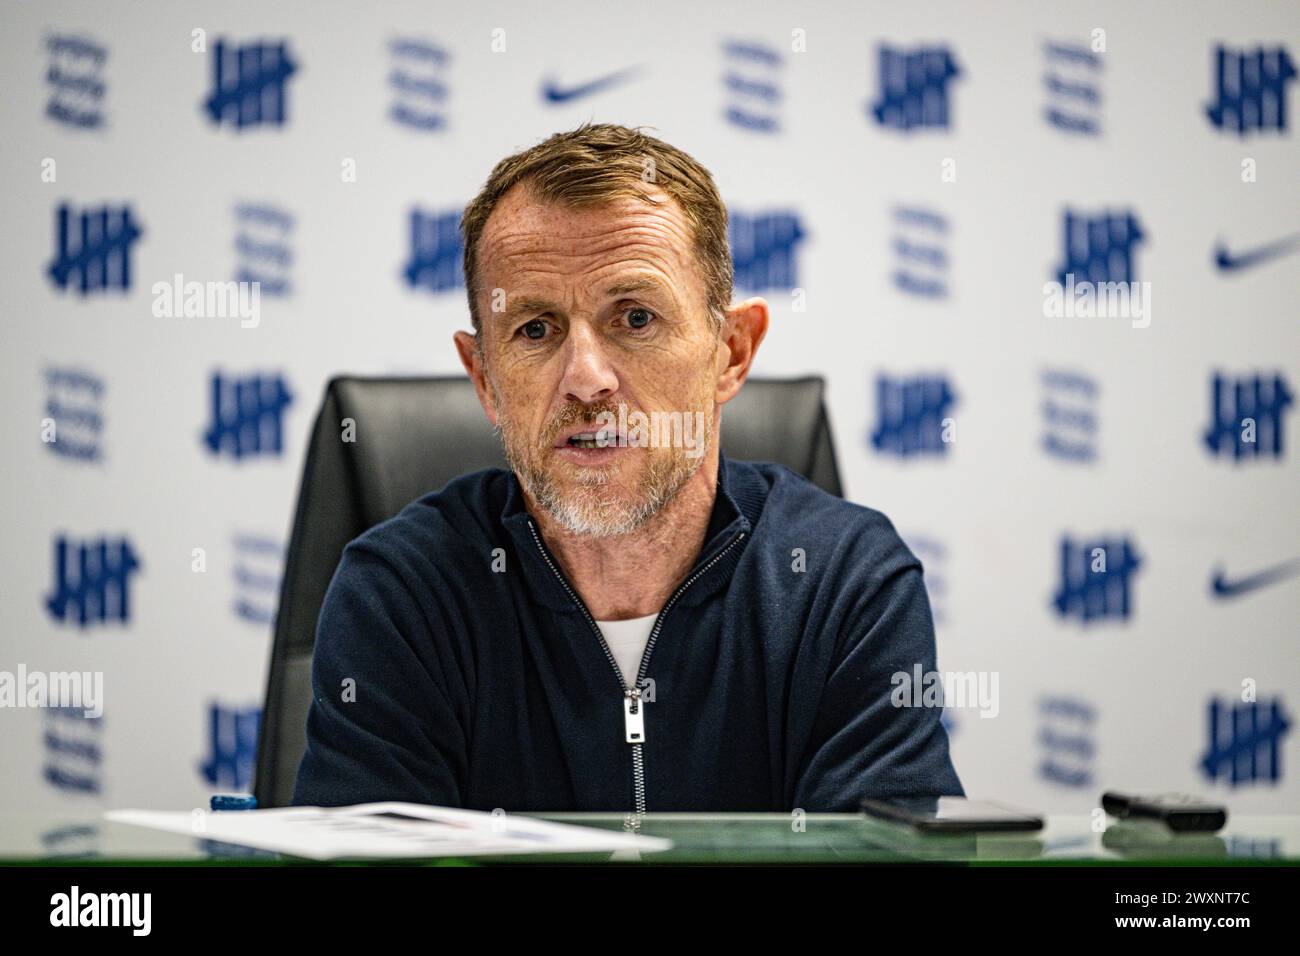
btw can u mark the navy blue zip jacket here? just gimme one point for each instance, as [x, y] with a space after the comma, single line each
[480, 680]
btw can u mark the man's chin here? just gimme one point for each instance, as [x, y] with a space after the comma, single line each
[613, 497]
[594, 502]
[602, 525]
[593, 489]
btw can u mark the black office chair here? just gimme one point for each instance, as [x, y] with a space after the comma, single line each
[412, 436]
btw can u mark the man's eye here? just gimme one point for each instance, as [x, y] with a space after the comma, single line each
[534, 329]
[639, 318]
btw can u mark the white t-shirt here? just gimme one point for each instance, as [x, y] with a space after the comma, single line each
[627, 641]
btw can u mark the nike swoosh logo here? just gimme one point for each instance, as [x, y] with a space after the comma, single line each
[553, 92]
[1221, 586]
[1230, 263]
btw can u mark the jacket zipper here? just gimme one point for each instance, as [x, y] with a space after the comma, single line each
[633, 707]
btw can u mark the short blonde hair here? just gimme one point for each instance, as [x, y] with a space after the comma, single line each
[595, 164]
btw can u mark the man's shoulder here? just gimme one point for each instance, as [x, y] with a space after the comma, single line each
[464, 513]
[797, 508]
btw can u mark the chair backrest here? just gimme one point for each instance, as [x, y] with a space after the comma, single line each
[412, 436]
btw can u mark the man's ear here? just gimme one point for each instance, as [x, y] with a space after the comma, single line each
[743, 330]
[472, 359]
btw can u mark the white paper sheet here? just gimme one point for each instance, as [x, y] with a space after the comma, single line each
[388, 831]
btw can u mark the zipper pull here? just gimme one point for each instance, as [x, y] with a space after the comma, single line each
[633, 716]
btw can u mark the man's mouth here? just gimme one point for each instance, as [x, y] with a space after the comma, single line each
[587, 435]
[590, 444]
[591, 440]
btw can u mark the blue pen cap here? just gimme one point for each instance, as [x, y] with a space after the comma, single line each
[233, 801]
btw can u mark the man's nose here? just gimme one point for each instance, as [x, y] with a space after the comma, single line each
[588, 374]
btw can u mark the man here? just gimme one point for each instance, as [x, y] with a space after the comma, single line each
[619, 622]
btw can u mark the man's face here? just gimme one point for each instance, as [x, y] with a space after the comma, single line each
[603, 307]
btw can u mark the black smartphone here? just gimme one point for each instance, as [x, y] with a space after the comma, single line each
[953, 815]
[1179, 811]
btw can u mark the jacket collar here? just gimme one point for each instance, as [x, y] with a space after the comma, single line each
[739, 500]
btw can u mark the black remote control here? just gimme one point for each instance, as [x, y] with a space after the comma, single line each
[1179, 811]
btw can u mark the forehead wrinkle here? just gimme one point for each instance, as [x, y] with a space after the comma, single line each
[640, 236]
[535, 226]
[647, 264]
[525, 243]
[646, 259]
